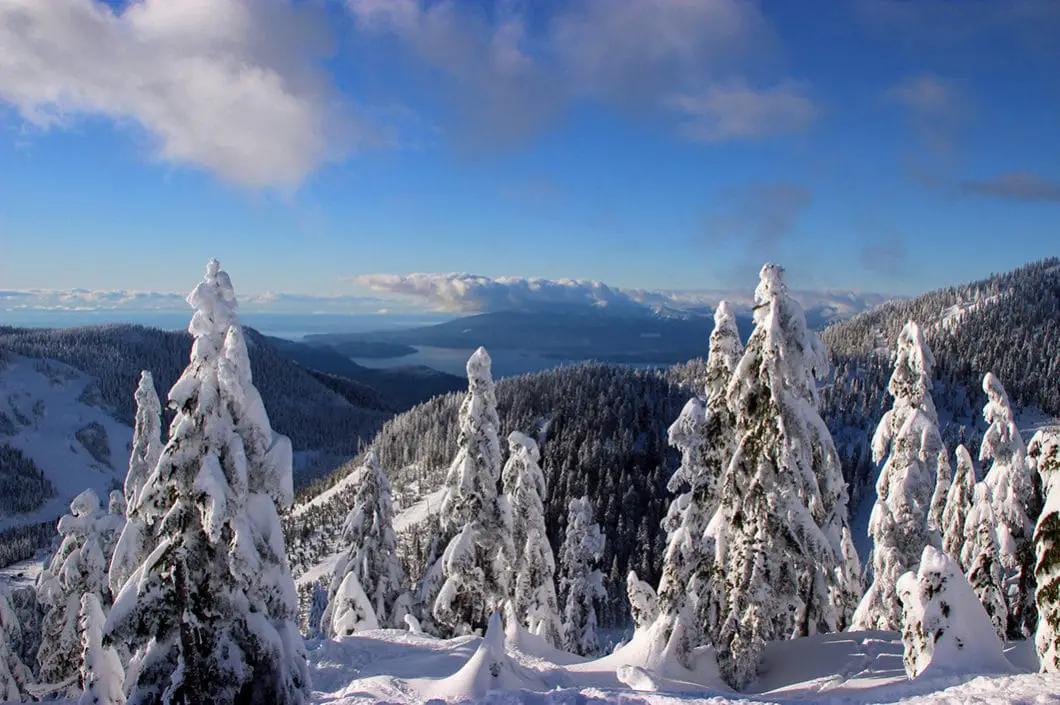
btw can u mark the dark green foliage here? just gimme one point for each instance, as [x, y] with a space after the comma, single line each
[23, 487]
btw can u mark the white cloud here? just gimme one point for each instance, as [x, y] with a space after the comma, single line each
[640, 50]
[934, 107]
[231, 86]
[498, 92]
[653, 57]
[737, 111]
[471, 293]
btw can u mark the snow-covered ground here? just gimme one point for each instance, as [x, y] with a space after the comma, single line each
[48, 405]
[861, 667]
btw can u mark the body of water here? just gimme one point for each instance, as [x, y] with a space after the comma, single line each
[506, 363]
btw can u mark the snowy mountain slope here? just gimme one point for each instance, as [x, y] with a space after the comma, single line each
[1008, 324]
[313, 416]
[52, 413]
[860, 667]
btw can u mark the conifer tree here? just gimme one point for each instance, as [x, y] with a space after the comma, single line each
[980, 554]
[371, 551]
[146, 449]
[210, 614]
[581, 583]
[102, 676]
[958, 504]
[475, 565]
[77, 568]
[784, 500]
[943, 624]
[534, 586]
[1016, 503]
[1044, 453]
[908, 437]
[643, 602]
[943, 480]
[705, 435]
[14, 674]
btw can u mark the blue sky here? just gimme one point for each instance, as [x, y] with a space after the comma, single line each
[872, 145]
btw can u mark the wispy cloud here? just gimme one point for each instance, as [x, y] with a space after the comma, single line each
[231, 86]
[1014, 186]
[663, 58]
[934, 107]
[737, 111]
[758, 216]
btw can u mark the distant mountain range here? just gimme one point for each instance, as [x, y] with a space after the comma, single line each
[648, 329]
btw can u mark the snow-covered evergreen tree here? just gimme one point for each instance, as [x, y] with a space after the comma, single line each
[210, 614]
[980, 554]
[349, 609]
[79, 567]
[943, 624]
[943, 480]
[371, 550]
[147, 437]
[705, 434]
[102, 676]
[908, 437]
[643, 602]
[1016, 503]
[784, 501]
[1044, 453]
[146, 449]
[14, 674]
[534, 565]
[476, 562]
[848, 584]
[958, 504]
[581, 583]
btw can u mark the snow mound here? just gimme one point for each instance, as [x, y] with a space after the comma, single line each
[489, 670]
[648, 659]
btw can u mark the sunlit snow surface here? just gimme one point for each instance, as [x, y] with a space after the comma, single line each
[863, 667]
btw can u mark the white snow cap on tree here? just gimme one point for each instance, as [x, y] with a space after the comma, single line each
[102, 676]
[581, 584]
[147, 438]
[476, 563]
[14, 675]
[534, 588]
[1009, 479]
[944, 627]
[1016, 503]
[210, 614]
[79, 567]
[371, 553]
[908, 437]
[1044, 453]
[132, 547]
[943, 479]
[352, 612]
[783, 495]
[959, 500]
[643, 602]
[705, 435]
[980, 554]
